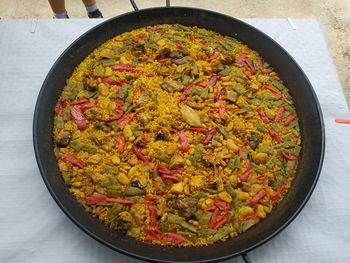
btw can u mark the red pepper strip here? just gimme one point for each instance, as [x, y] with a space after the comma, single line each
[117, 116]
[153, 28]
[245, 176]
[152, 234]
[210, 136]
[222, 109]
[210, 208]
[174, 238]
[137, 151]
[88, 105]
[150, 197]
[256, 199]
[122, 67]
[121, 144]
[289, 119]
[203, 83]
[164, 170]
[219, 93]
[73, 160]
[240, 60]
[263, 115]
[94, 199]
[109, 81]
[250, 65]
[279, 114]
[289, 157]
[340, 120]
[119, 201]
[149, 74]
[220, 223]
[261, 65]
[214, 56]
[277, 93]
[274, 135]
[170, 177]
[125, 120]
[178, 45]
[213, 80]
[203, 41]
[183, 140]
[220, 204]
[252, 216]
[210, 179]
[59, 107]
[80, 101]
[199, 130]
[277, 195]
[261, 178]
[138, 37]
[78, 117]
[152, 214]
[247, 73]
[135, 95]
[186, 91]
[119, 103]
[214, 218]
[240, 151]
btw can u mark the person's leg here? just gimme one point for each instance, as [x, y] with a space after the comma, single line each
[58, 8]
[91, 8]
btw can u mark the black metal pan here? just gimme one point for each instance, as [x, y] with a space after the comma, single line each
[307, 107]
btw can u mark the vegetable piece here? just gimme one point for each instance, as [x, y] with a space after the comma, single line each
[122, 67]
[162, 156]
[109, 169]
[137, 151]
[222, 109]
[164, 170]
[117, 116]
[220, 91]
[174, 238]
[263, 115]
[274, 135]
[183, 140]
[123, 121]
[73, 160]
[133, 191]
[278, 94]
[289, 157]
[109, 81]
[223, 131]
[289, 119]
[190, 115]
[185, 92]
[63, 139]
[80, 101]
[278, 194]
[340, 120]
[222, 233]
[199, 130]
[213, 80]
[121, 144]
[210, 136]
[279, 114]
[78, 117]
[256, 199]
[94, 199]
[245, 176]
[61, 104]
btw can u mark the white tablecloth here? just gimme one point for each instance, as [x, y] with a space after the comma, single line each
[34, 229]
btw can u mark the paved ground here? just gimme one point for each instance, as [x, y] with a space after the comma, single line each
[333, 14]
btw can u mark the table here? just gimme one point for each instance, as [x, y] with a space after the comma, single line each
[34, 229]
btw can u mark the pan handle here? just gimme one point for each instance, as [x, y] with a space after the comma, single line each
[134, 5]
[246, 258]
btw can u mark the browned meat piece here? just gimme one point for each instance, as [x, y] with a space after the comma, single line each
[164, 53]
[186, 207]
[63, 139]
[91, 84]
[122, 221]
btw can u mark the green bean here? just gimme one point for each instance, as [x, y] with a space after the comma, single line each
[203, 218]
[56, 151]
[222, 131]
[278, 84]
[198, 151]
[239, 90]
[59, 122]
[115, 210]
[175, 219]
[225, 71]
[271, 162]
[265, 149]
[123, 92]
[290, 167]
[162, 156]
[222, 233]
[108, 62]
[109, 169]
[89, 148]
[90, 94]
[134, 232]
[66, 177]
[233, 162]
[246, 225]
[75, 145]
[185, 79]
[228, 187]
[132, 191]
[66, 114]
[261, 128]
[114, 191]
[94, 140]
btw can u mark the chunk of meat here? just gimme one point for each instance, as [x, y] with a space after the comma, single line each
[164, 53]
[123, 221]
[63, 139]
[186, 207]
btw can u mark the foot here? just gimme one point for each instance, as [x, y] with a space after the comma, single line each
[95, 14]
